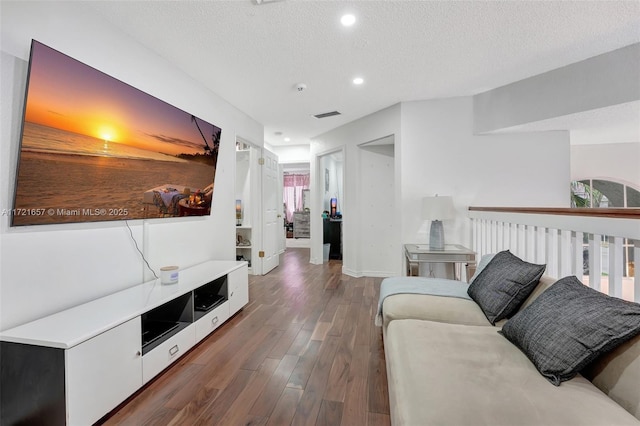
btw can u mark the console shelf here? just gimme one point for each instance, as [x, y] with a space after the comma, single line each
[75, 366]
[167, 320]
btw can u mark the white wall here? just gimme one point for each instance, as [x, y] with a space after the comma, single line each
[347, 138]
[441, 155]
[619, 162]
[376, 195]
[292, 154]
[436, 151]
[47, 268]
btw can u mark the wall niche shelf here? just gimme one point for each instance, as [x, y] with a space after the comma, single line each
[73, 367]
[245, 192]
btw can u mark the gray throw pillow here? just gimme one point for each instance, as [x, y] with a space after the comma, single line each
[484, 261]
[569, 325]
[504, 284]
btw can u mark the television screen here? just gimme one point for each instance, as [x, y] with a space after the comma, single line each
[96, 149]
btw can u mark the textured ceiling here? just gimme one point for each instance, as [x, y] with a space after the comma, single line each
[254, 55]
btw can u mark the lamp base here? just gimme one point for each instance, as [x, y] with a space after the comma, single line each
[436, 235]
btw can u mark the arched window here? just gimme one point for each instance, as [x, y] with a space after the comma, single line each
[603, 193]
[594, 193]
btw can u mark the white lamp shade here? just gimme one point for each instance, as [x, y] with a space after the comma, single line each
[437, 208]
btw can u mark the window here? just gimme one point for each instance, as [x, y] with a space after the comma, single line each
[595, 193]
[294, 184]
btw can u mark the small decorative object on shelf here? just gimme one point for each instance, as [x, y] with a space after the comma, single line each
[238, 212]
[169, 274]
[241, 241]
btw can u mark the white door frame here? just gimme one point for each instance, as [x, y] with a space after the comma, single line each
[317, 192]
[255, 194]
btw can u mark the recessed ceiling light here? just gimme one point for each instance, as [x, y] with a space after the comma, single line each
[358, 81]
[287, 139]
[348, 20]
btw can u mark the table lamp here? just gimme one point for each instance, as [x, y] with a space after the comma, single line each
[436, 209]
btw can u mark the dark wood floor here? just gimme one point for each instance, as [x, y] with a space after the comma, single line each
[304, 351]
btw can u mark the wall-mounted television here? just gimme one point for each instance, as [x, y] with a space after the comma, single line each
[94, 149]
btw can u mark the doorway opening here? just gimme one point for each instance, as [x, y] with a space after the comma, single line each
[296, 204]
[331, 195]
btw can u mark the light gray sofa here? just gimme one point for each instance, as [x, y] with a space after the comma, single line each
[447, 365]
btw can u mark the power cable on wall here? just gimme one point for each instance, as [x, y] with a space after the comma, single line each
[140, 251]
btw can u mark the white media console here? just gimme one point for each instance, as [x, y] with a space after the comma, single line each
[75, 366]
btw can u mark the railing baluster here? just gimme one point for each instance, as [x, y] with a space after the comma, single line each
[522, 242]
[565, 253]
[513, 241]
[485, 240]
[552, 252]
[499, 236]
[595, 261]
[615, 266]
[541, 245]
[531, 243]
[506, 235]
[636, 267]
[486, 236]
[494, 236]
[578, 257]
[477, 236]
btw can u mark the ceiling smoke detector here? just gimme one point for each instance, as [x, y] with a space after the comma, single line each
[301, 87]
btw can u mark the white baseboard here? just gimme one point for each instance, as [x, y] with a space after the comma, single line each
[373, 274]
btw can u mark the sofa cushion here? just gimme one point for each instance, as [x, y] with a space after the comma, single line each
[617, 374]
[570, 325]
[545, 282]
[451, 374]
[502, 286]
[432, 308]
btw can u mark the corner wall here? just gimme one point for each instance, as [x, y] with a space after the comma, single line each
[347, 138]
[442, 155]
[619, 162]
[47, 268]
[436, 151]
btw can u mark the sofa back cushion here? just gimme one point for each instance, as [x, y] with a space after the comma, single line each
[617, 374]
[545, 282]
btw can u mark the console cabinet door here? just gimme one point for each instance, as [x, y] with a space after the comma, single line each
[238, 282]
[102, 372]
[211, 321]
[167, 352]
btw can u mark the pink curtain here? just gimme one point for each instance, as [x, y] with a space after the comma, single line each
[293, 186]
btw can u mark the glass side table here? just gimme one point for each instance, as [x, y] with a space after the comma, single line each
[454, 256]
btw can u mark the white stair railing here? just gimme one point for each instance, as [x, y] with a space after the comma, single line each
[557, 237]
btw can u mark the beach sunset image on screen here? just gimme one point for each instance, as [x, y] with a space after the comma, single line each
[96, 149]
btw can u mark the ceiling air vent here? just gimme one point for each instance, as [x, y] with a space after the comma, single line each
[259, 2]
[327, 114]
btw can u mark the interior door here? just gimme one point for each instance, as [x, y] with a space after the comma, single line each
[272, 208]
